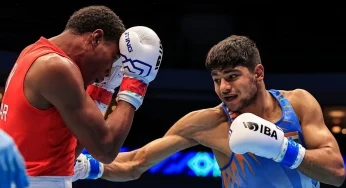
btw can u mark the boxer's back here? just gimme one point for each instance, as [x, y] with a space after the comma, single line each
[249, 170]
[49, 148]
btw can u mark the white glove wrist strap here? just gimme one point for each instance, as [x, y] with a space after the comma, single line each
[291, 154]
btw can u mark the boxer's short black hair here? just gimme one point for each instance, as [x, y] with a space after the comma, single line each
[90, 18]
[233, 51]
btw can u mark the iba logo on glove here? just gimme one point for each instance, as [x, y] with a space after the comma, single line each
[262, 129]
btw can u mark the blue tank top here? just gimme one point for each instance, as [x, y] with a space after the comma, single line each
[249, 170]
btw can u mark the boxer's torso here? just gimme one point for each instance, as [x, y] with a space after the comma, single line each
[41, 135]
[252, 171]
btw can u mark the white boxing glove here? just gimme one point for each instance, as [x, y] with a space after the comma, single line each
[250, 133]
[102, 92]
[141, 54]
[86, 167]
[81, 168]
[113, 80]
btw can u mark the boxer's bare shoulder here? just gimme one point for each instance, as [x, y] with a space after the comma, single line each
[51, 65]
[302, 101]
[49, 70]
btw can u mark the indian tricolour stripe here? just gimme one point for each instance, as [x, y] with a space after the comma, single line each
[293, 135]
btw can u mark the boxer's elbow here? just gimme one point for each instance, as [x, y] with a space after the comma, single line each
[338, 176]
[334, 174]
[110, 146]
[104, 157]
[101, 152]
[109, 153]
[114, 139]
[106, 151]
[109, 158]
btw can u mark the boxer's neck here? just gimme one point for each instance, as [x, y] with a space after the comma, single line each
[262, 104]
[70, 44]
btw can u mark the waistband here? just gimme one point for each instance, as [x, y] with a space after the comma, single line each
[50, 181]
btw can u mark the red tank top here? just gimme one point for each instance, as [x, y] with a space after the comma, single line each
[45, 142]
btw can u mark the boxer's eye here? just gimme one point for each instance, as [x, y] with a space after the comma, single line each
[217, 81]
[232, 76]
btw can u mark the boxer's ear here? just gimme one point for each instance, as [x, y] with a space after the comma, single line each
[97, 37]
[259, 72]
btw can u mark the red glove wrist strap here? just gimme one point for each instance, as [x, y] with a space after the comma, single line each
[133, 85]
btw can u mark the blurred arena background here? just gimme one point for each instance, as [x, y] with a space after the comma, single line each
[301, 47]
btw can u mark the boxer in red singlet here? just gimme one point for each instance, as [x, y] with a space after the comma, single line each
[46, 109]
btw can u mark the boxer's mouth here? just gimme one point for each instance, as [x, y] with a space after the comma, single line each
[229, 98]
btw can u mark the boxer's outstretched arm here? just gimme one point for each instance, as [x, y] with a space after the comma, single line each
[130, 165]
[62, 85]
[323, 161]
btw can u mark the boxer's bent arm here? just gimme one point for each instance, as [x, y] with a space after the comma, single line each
[323, 161]
[62, 85]
[80, 147]
[130, 165]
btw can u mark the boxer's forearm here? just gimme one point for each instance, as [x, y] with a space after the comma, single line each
[323, 165]
[131, 165]
[119, 123]
[123, 168]
[119, 172]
